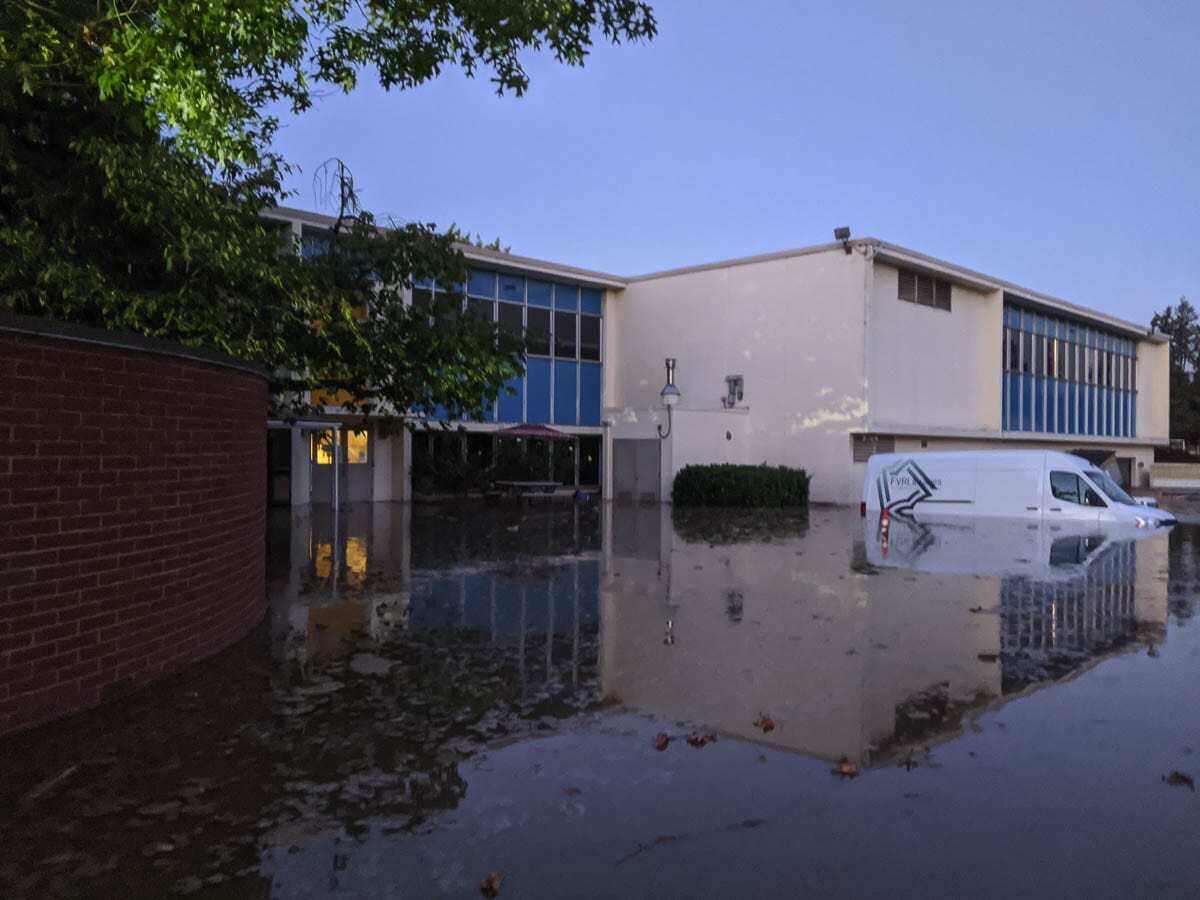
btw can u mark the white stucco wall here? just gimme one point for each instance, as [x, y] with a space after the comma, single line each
[930, 368]
[792, 327]
[1154, 391]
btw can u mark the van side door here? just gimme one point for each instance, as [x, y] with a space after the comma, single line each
[1070, 498]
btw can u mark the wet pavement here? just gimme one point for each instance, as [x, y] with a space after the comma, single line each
[440, 694]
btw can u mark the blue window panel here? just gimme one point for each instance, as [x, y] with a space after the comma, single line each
[1133, 414]
[565, 381]
[1014, 401]
[539, 292]
[1027, 402]
[511, 407]
[1062, 408]
[1039, 397]
[482, 284]
[566, 297]
[512, 287]
[590, 406]
[537, 401]
[591, 301]
[1004, 402]
[440, 413]
[1072, 409]
[426, 283]
[1091, 404]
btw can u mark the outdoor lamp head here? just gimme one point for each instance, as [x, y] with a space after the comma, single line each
[670, 395]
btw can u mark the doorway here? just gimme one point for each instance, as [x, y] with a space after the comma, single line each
[353, 454]
[637, 470]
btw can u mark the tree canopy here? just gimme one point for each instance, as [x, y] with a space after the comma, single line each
[136, 165]
[1181, 324]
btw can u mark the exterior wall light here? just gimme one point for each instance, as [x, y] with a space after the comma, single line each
[670, 396]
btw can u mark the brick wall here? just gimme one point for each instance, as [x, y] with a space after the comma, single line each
[132, 500]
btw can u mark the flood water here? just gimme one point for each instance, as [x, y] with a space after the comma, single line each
[439, 694]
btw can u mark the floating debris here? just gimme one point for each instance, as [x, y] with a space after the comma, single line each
[1180, 779]
[490, 886]
[765, 723]
[696, 739]
[662, 741]
[846, 769]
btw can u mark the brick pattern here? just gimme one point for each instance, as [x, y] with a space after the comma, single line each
[132, 500]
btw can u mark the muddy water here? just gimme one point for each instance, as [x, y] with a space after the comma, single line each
[437, 695]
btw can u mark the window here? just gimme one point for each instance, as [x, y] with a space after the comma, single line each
[1065, 486]
[564, 334]
[480, 309]
[537, 332]
[1070, 488]
[589, 338]
[356, 447]
[924, 290]
[321, 447]
[512, 288]
[1014, 350]
[422, 300]
[512, 319]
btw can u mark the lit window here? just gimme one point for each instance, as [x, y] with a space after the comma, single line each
[322, 447]
[356, 447]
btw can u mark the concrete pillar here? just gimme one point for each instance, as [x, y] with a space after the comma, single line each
[402, 467]
[301, 471]
[381, 469]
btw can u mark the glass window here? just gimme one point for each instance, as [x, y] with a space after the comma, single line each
[1052, 358]
[1065, 486]
[1026, 351]
[1114, 491]
[1014, 350]
[356, 447]
[537, 332]
[539, 292]
[321, 444]
[564, 334]
[591, 301]
[482, 284]
[512, 319]
[512, 287]
[566, 297]
[422, 300]
[483, 310]
[1039, 355]
[589, 337]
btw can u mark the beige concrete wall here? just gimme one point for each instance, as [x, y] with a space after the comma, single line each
[1154, 391]
[792, 327]
[1175, 475]
[929, 367]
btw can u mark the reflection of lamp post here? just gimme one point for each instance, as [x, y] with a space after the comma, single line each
[670, 396]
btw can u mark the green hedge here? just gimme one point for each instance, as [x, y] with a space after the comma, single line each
[730, 485]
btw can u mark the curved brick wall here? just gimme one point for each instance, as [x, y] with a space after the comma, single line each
[132, 500]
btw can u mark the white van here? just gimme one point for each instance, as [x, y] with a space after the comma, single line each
[1017, 484]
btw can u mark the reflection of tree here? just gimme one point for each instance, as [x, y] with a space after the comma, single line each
[704, 525]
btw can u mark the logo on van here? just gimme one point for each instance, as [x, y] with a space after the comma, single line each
[903, 486]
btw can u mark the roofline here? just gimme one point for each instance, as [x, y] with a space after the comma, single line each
[884, 251]
[497, 258]
[971, 278]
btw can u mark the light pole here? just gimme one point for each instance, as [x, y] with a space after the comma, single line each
[670, 396]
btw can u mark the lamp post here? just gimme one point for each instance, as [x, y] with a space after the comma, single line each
[670, 396]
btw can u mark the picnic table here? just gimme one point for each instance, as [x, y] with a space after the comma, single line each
[527, 488]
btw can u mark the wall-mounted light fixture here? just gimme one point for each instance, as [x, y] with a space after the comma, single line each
[843, 234]
[735, 387]
[670, 396]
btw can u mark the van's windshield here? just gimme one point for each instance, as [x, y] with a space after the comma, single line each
[1110, 488]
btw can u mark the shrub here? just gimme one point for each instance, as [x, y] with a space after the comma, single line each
[732, 485]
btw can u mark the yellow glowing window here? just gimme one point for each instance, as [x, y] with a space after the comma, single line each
[322, 448]
[356, 447]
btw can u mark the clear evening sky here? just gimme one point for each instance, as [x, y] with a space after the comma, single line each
[1052, 144]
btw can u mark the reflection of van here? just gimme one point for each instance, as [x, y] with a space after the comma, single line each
[1021, 484]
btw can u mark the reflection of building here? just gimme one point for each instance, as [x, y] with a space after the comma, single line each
[815, 357]
[848, 658]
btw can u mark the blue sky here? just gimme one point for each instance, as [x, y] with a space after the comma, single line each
[1052, 144]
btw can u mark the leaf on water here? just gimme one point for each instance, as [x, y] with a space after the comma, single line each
[1180, 779]
[845, 769]
[661, 742]
[696, 739]
[490, 886]
[764, 722]
[572, 791]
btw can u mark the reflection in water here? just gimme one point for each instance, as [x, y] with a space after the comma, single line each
[402, 648]
[860, 649]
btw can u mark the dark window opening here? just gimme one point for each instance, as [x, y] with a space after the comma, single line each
[589, 338]
[537, 334]
[564, 334]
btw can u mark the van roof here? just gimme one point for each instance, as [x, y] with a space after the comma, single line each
[1051, 455]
